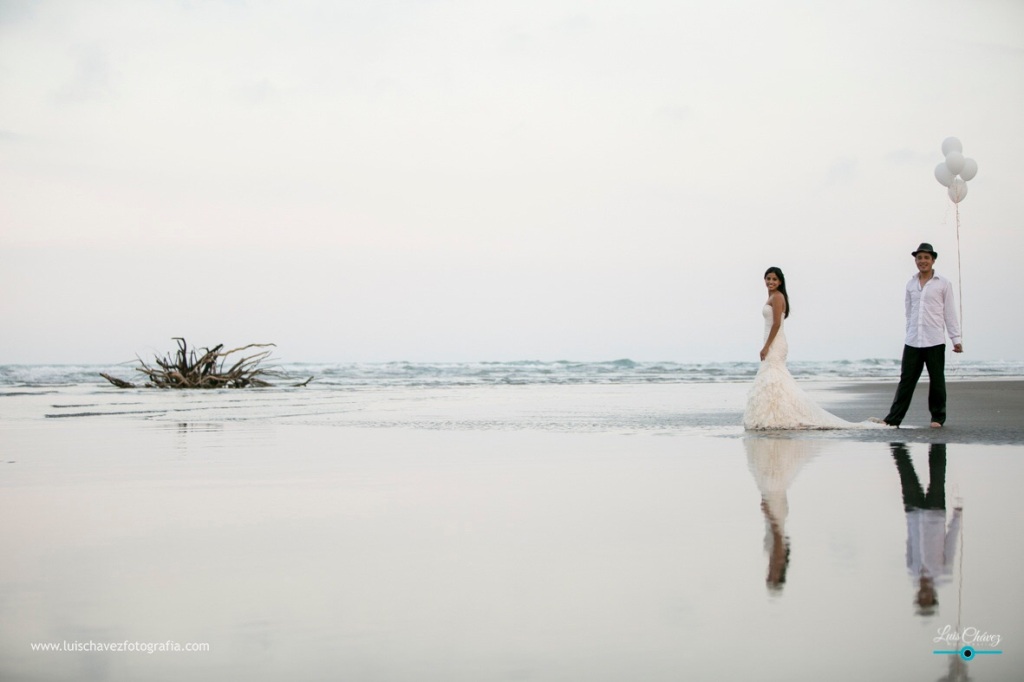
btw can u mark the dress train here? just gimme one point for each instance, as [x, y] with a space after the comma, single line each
[776, 401]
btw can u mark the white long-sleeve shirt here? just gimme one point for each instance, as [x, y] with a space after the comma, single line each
[931, 312]
[931, 547]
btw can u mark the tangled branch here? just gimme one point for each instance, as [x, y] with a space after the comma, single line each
[188, 368]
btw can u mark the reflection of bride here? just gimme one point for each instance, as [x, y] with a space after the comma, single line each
[774, 464]
[775, 400]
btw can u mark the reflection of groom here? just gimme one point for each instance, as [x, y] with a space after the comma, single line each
[931, 548]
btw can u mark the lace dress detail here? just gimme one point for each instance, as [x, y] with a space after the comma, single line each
[776, 401]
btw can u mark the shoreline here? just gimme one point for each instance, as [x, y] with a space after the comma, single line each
[981, 411]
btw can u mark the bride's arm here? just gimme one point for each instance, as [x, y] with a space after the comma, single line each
[778, 309]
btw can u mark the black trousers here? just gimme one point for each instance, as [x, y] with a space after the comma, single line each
[915, 360]
[914, 496]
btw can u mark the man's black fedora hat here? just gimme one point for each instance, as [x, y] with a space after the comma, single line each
[927, 248]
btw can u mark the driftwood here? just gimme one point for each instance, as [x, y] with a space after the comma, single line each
[205, 369]
[120, 383]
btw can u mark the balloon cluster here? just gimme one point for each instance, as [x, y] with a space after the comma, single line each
[956, 170]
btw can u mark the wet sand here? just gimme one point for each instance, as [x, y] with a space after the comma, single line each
[500, 533]
[990, 412]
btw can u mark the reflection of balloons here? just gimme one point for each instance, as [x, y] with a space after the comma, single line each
[957, 190]
[955, 162]
[969, 170]
[943, 175]
[951, 144]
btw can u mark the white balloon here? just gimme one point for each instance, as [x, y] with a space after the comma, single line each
[951, 144]
[958, 190]
[969, 170]
[943, 175]
[955, 162]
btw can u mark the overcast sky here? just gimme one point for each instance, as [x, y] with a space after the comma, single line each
[451, 180]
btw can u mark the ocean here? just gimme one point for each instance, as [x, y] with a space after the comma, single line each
[522, 372]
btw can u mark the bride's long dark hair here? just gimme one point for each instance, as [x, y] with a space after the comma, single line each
[782, 284]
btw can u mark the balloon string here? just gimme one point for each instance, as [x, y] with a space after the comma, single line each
[960, 586]
[960, 272]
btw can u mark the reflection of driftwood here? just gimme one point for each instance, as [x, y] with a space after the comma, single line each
[187, 369]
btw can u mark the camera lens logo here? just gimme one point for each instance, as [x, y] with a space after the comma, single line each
[967, 652]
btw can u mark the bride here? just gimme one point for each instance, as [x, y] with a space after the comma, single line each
[775, 400]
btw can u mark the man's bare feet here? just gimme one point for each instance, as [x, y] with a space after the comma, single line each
[936, 425]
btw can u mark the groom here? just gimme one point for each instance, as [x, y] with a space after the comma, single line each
[930, 313]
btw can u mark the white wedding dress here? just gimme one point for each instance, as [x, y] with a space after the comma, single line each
[776, 401]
